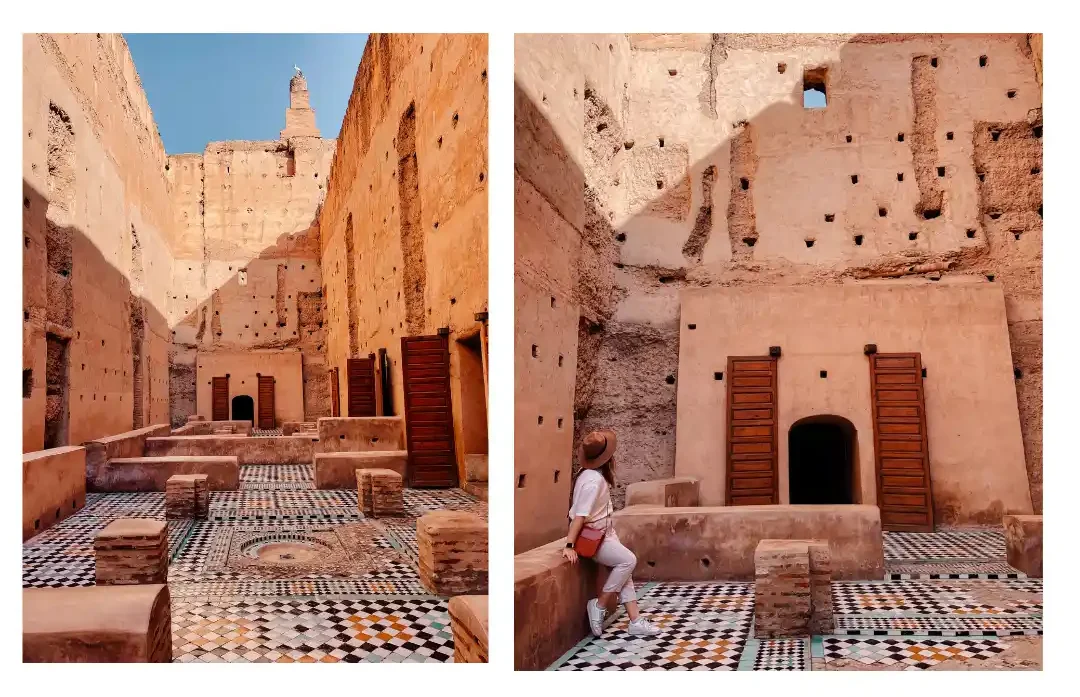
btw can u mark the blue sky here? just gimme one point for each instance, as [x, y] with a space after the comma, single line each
[206, 87]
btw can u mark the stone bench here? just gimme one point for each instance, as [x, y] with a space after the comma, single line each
[379, 492]
[452, 547]
[131, 551]
[53, 487]
[550, 595]
[187, 496]
[469, 625]
[792, 589]
[1024, 542]
[152, 473]
[674, 492]
[129, 444]
[717, 543]
[265, 450]
[360, 433]
[338, 470]
[97, 624]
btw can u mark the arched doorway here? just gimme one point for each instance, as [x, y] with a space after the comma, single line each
[822, 460]
[243, 408]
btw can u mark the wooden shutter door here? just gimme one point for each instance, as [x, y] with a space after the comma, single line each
[335, 395]
[751, 435]
[902, 458]
[219, 399]
[266, 402]
[361, 376]
[429, 417]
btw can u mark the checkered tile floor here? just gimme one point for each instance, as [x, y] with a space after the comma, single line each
[960, 601]
[224, 613]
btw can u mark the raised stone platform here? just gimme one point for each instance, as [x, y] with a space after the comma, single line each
[1024, 543]
[271, 450]
[128, 444]
[673, 492]
[98, 624]
[53, 487]
[452, 547]
[469, 623]
[718, 543]
[351, 434]
[380, 492]
[152, 473]
[131, 551]
[338, 470]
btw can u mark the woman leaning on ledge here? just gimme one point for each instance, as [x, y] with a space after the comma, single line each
[592, 534]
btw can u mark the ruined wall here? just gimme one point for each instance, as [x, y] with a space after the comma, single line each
[97, 222]
[247, 273]
[404, 226]
[698, 163]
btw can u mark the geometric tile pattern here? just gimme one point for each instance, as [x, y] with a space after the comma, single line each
[914, 654]
[781, 654]
[971, 544]
[928, 597]
[371, 608]
[938, 626]
[312, 630]
[957, 570]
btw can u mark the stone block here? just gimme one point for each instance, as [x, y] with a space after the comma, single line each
[821, 604]
[782, 603]
[97, 624]
[469, 624]
[1024, 542]
[453, 551]
[187, 496]
[338, 470]
[132, 551]
[380, 492]
[670, 493]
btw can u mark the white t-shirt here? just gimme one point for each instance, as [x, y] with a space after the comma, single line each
[592, 498]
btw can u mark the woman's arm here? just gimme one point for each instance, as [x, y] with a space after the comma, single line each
[571, 535]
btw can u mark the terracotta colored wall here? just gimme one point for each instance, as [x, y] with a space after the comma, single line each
[243, 368]
[54, 487]
[728, 108]
[441, 214]
[105, 190]
[960, 328]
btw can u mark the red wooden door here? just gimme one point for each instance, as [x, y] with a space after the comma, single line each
[266, 402]
[335, 396]
[751, 431]
[900, 450]
[219, 400]
[429, 417]
[360, 373]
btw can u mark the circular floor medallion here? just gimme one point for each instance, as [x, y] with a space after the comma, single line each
[285, 548]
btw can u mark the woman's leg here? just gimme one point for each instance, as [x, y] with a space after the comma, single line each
[622, 562]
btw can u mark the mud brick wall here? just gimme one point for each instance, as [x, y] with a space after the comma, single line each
[645, 164]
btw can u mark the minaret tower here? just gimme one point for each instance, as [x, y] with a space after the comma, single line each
[299, 117]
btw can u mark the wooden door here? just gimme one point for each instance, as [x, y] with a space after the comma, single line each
[219, 400]
[335, 395]
[266, 402]
[429, 416]
[900, 452]
[752, 476]
[360, 373]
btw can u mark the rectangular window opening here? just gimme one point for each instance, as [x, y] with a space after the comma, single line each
[814, 92]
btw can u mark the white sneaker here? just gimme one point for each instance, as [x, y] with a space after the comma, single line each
[597, 615]
[643, 627]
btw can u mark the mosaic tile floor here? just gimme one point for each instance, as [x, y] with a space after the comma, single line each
[228, 608]
[949, 596]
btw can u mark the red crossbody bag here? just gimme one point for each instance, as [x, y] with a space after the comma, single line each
[588, 541]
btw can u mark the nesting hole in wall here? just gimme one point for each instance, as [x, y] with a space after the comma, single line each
[558, 423]
[971, 234]
[858, 240]
[621, 237]
[949, 135]
[749, 241]
[521, 481]
[933, 62]
[854, 178]
[556, 478]
[691, 326]
[849, 139]
[981, 176]
[1035, 170]
[661, 140]
[990, 277]
[924, 372]
[744, 182]
[913, 236]
[601, 127]
[899, 137]
[941, 171]
[899, 176]
[670, 379]
[706, 562]
[931, 213]
[672, 72]
[1017, 373]
[781, 68]
[1011, 94]
[534, 350]
[651, 563]
[829, 217]
[995, 215]
[994, 134]
[1016, 234]
[882, 212]
[659, 183]
[1036, 131]
[718, 375]
[539, 420]
[983, 60]
[809, 243]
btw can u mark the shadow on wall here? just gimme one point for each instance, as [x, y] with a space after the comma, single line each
[227, 321]
[90, 368]
[627, 366]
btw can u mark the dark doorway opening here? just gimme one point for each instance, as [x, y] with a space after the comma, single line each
[243, 408]
[821, 460]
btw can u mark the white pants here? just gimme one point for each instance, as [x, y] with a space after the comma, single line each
[622, 562]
